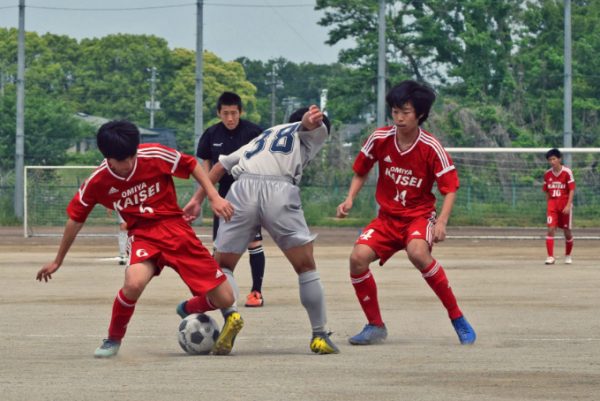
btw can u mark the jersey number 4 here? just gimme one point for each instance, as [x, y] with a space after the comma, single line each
[282, 143]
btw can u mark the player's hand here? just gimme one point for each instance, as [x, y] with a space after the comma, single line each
[567, 209]
[222, 208]
[343, 209]
[439, 232]
[312, 119]
[46, 272]
[191, 211]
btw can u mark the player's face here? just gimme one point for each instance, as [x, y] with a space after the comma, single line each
[405, 118]
[122, 168]
[554, 162]
[230, 116]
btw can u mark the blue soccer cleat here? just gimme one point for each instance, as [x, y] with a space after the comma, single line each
[465, 332]
[181, 310]
[370, 334]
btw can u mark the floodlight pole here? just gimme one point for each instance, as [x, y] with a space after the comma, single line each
[198, 116]
[20, 129]
[381, 67]
[568, 83]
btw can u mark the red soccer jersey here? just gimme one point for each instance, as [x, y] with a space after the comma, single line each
[404, 186]
[147, 194]
[559, 185]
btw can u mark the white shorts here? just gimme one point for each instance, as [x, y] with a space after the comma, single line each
[269, 201]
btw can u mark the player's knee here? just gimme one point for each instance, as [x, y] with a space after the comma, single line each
[133, 289]
[358, 263]
[222, 296]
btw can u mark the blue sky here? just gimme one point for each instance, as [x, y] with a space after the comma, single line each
[257, 29]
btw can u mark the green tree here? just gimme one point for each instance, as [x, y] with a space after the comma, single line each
[219, 76]
[50, 131]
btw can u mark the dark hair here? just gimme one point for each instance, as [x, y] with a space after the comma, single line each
[229, 99]
[118, 139]
[299, 113]
[419, 95]
[553, 152]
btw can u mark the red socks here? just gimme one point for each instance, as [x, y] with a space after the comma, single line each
[550, 246]
[366, 292]
[121, 314]
[436, 278]
[568, 246]
[198, 304]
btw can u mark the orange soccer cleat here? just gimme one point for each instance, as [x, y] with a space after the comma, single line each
[254, 300]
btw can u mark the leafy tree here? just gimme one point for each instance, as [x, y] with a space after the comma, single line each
[219, 76]
[50, 130]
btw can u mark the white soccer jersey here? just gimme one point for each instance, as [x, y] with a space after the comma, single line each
[283, 150]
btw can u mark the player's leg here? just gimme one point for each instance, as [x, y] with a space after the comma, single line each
[550, 245]
[419, 253]
[312, 296]
[552, 218]
[566, 224]
[122, 242]
[257, 268]
[228, 261]
[209, 283]
[365, 288]
[137, 276]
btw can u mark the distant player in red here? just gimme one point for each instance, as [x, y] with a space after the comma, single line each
[559, 186]
[136, 181]
[410, 161]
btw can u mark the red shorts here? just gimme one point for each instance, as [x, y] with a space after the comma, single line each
[172, 242]
[554, 215]
[386, 235]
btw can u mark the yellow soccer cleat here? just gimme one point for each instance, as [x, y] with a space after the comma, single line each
[233, 325]
[321, 344]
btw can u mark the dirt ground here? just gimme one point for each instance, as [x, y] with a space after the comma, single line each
[538, 328]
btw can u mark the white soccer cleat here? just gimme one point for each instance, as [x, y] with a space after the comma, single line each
[568, 260]
[550, 260]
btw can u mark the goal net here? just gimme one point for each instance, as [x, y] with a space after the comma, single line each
[49, 189]
[500, 188]
[500, 194]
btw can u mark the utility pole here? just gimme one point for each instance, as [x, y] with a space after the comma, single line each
[568, 83]
[381, 67]
[2, 80]
[290, 103]
[275, 84]
[199, 94]
[152, 105]
[20, 129]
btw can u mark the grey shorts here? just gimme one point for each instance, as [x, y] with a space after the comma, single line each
[268, 201]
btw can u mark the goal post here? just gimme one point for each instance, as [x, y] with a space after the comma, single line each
[47, 192]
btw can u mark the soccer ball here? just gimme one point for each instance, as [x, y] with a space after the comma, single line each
[198, 333]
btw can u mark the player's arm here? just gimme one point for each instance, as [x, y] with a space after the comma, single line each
[219, 206]
[191, 211]
[358, 181]
[439, 229]
[569, 204]
[72, 228]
